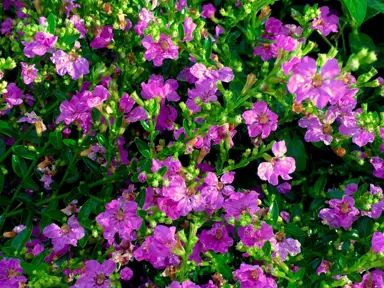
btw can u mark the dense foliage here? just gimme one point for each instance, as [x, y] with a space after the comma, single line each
[188, 144]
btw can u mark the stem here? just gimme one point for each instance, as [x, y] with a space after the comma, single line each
[5, 155]
[326, 40]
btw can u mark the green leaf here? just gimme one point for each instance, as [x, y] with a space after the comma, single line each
[358, 42]
[274, 211]
[221, 262]
[355, 277]
[19, 241]
[2, 146]
[23, 152]
[87, 208]
[102, 140]
[294, 230]
[56, 139]
[70, 143]
[70, 39]
[51, 20]
[365, 227]
[319, 186]
[376, 5]
[107, 191]
[267, 248]
[54, 214]
[357, 9]
[28, 183]
[208, 48]
[143, 148]
[296, 149]
[300, 274]
[93, 166]
[1, 180]
[19, 166]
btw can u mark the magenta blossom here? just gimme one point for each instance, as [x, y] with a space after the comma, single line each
[119, 218]
[71, 64]
[240, 203]
[68, 234]
[326, 23]
[12, 96]
[324, 267]
[283, 246]
[43, 43]
[103, 39]
[218, 133]
[319, 86]
[255, 237]
[378, 242]
[185, 284]
[341, 213]
[96, 274]
[350, 127]
[284, 188]
[145, 17]
[166, 118]
[205, 91]
[79, 25]
[280, 165]
[156, 87]
[158, 51]
[216, 239]
[378, 165]
[253, 276]
[29, 72]
[201, 72]
[371, 279]
[10, 273]
[7, 26]
[208, 11]
[260, 120]
[189, 27]
[133, 114]
[214, 190]
[126, 273]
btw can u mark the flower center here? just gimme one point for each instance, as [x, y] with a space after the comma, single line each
[255, 274]
[120, 215]
[327, 129]
[263, 119]
[317, 80]
[11, 273]
[266, 46]
[280, 236]
[220, 186]
[190, 192]
[65, 229]
[344, 208]
[100, 279]
[73, 56]
[164, 44]
[219, 234]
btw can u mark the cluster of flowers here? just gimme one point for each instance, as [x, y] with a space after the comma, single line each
[139, 121]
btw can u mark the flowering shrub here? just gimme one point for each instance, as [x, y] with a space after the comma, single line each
[188, 144]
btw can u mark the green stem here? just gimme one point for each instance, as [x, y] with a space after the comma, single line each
[5, 155]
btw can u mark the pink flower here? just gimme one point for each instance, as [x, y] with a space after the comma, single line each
[378, 165]
[213, 192]
[103, 39]
[133, 114]
[96, 274]
[71, 64]
[208, 11]
[166, 118]
[239, 203]
[317, 131]
[189, 27]
[29, 72]
[43, 43]
[68, 234]
[79, 25]
[255, 237]
[216, 239]
[326, 23]
[7, 26]
[119, 218]
[320, 86]
[145, 16]
[157, 88]
[10, 273]
[324, 267]
[283, 247]
[277, 166]
[158, 51]
[284, 188]
[253, 276]
[378, 242]
[260, 120]
[126, 273]
[100, 94]
[185, 284]
[205, 90]
[13, 97]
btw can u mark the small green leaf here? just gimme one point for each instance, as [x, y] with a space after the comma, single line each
[355, 277]
[29, 184]
[19, 241]
[296, 149]
[87, 208]
[376, 5]
[19, 166]
[51, 20]
[143, 148]
[1, 180]
[93, 166]
[56, 139]
[319, 186]
[274, 211]
[70, 39]
[102, 140]
[23, 152]
[360, 41]
[70, 143]
[267, 248]
[357, 9]
[208, 48]
[294, 230]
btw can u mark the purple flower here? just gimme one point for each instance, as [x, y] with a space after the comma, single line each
[324, 267]
[133, 115]
[219, 30]
[189, 27]
[157, 88]
[13, 97]
[320, 86]
[240, 203]
[326, 23]
[79, 25]
[100, 94]
[212, 192]
[260, 120]
[201, 72]
[32, 118]
[43, 43]
[284, 188]
[277, 166]
[158, 249]
[158, 51]
[341, 213]
[96, 274]
[378, 165]
[253, 276]
[266, 50]
[7, 26]
[252, 237]
[126, 273]
[283, 247]
[218, 133]
[68, 234]
[185, 284]
[317, 131]
[145, 16]
[378, 242]
[103, 39]
[350, 189]
[120, 218]
[166, 118]
[208, 11]
[371, 279]
[205, 91]
[71, 64]
[290, 65]
[351, 127]
[29, 72]
[216, 239]
[10, 273]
